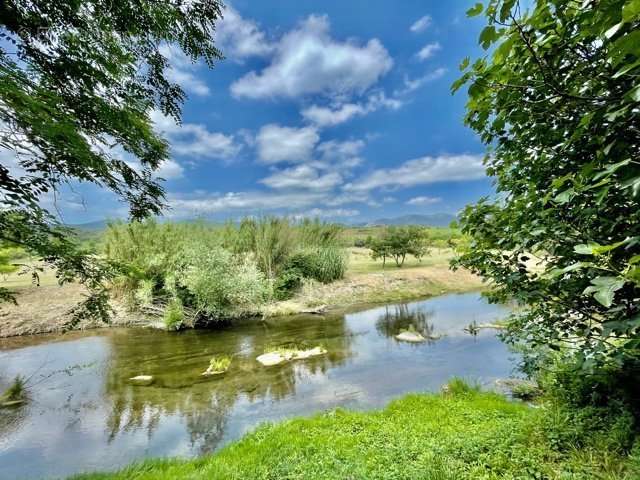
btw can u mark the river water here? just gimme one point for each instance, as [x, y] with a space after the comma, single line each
[85, 415]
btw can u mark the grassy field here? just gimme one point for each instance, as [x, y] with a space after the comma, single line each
[455, 436]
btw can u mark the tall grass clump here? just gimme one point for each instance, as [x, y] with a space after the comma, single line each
[193, 273]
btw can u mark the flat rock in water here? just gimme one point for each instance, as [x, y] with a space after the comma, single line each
[276, 358]
[142, 379]
[413, 337]
[271, 358]
[314, 352]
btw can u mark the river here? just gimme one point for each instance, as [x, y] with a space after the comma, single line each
[84, 414]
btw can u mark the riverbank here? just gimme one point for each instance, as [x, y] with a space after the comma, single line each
[461, 434]
[46, 308]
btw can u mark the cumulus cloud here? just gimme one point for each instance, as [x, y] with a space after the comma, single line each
[304, 177]
[205, 203]
[334, 115]
[421, 24]
[169, 169]
[183, 71]
[423, 200]
[239, 38]
[308, 61]
[420, 171]
[341, 155]
[428, 51]
[195, 140]
[277, 144]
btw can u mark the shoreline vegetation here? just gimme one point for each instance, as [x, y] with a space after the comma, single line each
[459, 434]
[366, 281]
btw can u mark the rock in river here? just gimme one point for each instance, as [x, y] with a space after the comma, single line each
[277, 357]
[413, 337]
[142, 380]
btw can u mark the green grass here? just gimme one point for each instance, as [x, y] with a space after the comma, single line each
[460, 435]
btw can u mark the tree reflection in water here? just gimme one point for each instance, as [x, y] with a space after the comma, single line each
[397, 318]
[177, 360]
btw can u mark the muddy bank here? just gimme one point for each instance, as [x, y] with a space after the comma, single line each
[47, 309]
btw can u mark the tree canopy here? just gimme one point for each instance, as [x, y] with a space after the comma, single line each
[78, 82]
[557, 102]
[397, 243]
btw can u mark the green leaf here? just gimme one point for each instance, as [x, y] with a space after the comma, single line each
[464, 64]
[586, 248]
[604, 288]
[475, 10]
[488, 36]
[631, 10]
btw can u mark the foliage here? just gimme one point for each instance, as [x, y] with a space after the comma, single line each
[287, 283]
[462, 435]
[557, 103]
[174, 316]
[219, 364]
[17, 392]
[397, 243]
[219, 284]
[78, 82]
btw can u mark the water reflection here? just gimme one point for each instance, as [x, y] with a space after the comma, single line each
[176, 361]
[87, 415]
[398, 318]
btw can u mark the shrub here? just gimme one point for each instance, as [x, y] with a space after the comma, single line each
[287, 283]
[324, 264]
[222, 285]
[174, 315]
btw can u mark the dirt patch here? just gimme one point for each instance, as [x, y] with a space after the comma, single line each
[47, 309]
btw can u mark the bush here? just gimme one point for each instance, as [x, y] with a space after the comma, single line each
[174, 315]
[324, 264]
[222, 285]
[287, 283]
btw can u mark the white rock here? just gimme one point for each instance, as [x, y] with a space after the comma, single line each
[413, 337]
[314, 352]
[142, 379]
[271, 358]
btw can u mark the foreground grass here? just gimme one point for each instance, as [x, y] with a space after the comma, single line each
[461, 435]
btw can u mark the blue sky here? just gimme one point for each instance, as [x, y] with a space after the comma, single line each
[338, 109]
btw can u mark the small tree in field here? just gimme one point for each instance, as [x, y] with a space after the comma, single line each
[397, 243]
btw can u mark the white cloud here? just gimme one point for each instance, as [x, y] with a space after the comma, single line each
[411, 85]
[335, 115]
[421, 24]
[423, 200]
[308, 61]
[277, 144]
[203, 203]
[341, 155]
[422, 171]
[302, 177]
[169, 169]
[239, 38]
[191, 139]
[329, 213]
[428, 51]
[182, 71]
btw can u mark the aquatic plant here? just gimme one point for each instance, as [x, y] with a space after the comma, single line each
[218, 364]
[16, 393]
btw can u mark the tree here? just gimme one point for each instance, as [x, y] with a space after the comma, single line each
[397, 243]
[557, 104]
[77, 83]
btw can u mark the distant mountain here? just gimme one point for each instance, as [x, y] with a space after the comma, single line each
[90, 226]
[429, 220]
